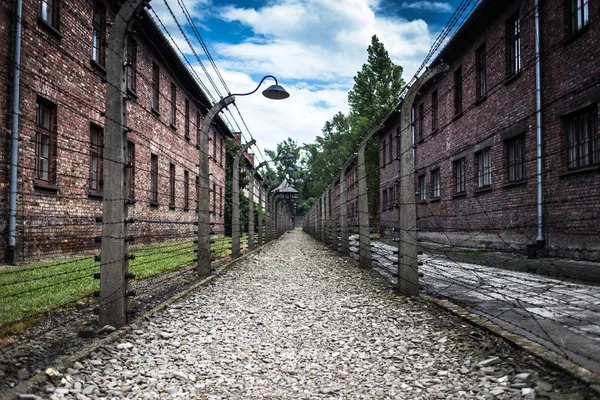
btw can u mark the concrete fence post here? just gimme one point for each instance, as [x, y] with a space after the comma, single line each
[114, 264]
[344, 238]
[235, 201]
[364, 235]
[260, 215]
[333, 234]
[408, 274]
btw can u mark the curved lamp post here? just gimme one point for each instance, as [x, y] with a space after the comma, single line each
[251, 202]
[274, 92]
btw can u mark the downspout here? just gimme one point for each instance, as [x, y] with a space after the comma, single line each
[538, 117]
[14, 141]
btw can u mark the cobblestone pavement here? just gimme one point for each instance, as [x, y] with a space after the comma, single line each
[297, 321]
[561, 315]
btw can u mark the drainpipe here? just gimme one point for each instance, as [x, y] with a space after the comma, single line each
[538, 117]
[14, 140]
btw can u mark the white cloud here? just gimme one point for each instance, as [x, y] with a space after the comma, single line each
[434, 6]
[314, 47]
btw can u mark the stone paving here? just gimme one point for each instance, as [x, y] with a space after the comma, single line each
[296, 321]
[563, 316]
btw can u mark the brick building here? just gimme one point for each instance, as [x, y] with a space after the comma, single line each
[475, 131]
[62, 98]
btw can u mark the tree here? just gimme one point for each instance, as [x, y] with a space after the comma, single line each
[376, 85]
[375, 92]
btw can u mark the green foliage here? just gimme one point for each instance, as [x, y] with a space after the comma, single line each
[375, 92]
[40, 287]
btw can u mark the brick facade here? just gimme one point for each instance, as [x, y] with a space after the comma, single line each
[483, 151]
[56, 217]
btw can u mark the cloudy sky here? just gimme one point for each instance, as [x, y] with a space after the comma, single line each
[313, 47]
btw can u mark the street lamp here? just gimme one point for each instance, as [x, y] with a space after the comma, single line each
[251, 201]
[274, 92]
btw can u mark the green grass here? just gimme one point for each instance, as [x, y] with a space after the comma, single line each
[32, 289]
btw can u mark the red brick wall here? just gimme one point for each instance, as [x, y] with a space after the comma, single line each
[571, 82]
[58, 68]
[504, 215]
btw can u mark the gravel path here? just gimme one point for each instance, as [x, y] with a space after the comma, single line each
[296, 321]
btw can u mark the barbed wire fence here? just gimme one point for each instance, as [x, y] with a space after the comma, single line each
[56, 289]
[476, 248]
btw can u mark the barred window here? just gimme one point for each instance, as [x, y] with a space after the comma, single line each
[582, 139]
[422, 190]
[481, 71]
[155, 86]
[173, 105]
[513, 37]
[96, 150]
[130, 72]
[45, 150]
[458, 91]
[515, 149]
[484, 168]
[172, 185]
[99, 33]
[435, 184]
[434, 111]
[153, 178]
[186, 190]
[460, 176]
[49, 12]
[579, 14]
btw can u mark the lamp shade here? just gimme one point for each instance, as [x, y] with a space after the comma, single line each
[275, 92]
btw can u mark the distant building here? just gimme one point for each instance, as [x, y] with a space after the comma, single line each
[475, 134]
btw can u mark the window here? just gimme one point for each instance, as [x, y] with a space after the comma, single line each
[384, 201]
[398, 141]
[172, 185]
[45, 149]
[420, 121]
[578, 13]
[582, 139]
[435, 184]
[186, 123]
[214, 146]
[96, 150]
[434, 111]
[481, 72]
[422, 190]
[197, 191]
[513, 37]
[186, 190]
[198, 123]
[221, 150]
[220, 200]
[391, 147]
[515, 150]
[458, 92]
[99, 33]
[484, 168]
[173, 105]
[391, 198]
[460, 186]
[153, 179]
[49, 12]
[214, 198]
[130, 171]
[155, 86]
[131, 59]
[383, 153]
